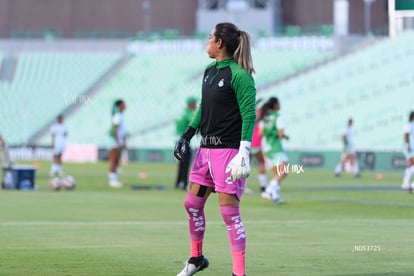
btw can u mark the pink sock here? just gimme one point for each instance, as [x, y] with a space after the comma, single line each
[238, 263]
[237, 237]
[196, 248]
[196, 221]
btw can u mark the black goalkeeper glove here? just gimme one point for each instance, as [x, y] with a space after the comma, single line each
[183, 145]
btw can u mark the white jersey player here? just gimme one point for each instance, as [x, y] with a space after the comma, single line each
[59, 133]
[349, 152]
[117, 141]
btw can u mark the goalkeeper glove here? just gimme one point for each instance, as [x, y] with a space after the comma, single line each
[239, 166]
[183, 145]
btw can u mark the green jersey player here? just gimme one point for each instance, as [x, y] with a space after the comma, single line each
[272, 126]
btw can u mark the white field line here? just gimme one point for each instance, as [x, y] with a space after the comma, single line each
[152, 223]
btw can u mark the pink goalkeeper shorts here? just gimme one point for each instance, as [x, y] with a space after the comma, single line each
[209, 169]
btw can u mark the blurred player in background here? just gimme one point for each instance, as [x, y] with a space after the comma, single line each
[409, 143]
[181, 125]
[226, 119]
[257, 152]
[117, 141]
[349, 152]
[272, 126]
[59, 133]
[4, 155]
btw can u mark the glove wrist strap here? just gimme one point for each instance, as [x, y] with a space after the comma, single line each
[245, 146]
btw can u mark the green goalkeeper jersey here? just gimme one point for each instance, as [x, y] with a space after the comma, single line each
[227, 113]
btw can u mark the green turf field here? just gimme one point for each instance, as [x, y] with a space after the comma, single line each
[330, 226]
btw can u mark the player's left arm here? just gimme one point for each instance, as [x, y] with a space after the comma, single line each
[244, 87]
[245, 91]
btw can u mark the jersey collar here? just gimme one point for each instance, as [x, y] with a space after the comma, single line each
[224, 63]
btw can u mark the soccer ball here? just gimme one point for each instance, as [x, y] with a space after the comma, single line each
[69, 182]
[55, 183]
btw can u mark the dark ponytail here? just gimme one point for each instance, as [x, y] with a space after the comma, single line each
[267, 106]
[115, 107]
[238, 44]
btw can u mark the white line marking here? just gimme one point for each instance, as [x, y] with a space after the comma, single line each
[150, 223]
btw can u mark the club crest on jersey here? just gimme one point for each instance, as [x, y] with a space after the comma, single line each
[221, 83]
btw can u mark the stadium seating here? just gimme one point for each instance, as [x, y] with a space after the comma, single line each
[274, 65]
[155, 87]
[374, 86]
[44, 84]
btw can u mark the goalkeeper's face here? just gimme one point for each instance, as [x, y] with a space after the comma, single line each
[213, 47]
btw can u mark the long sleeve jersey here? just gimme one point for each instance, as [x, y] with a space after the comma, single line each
[226, 115]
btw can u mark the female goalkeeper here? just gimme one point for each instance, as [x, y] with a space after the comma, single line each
[225, 120]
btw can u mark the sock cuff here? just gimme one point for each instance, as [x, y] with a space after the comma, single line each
[230, 210]
[195, 199]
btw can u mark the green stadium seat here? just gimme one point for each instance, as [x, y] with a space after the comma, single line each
[155, 94]
[45, 84]
[373, 85]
